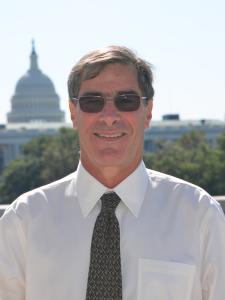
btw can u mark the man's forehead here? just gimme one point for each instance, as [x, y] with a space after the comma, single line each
[114, 79]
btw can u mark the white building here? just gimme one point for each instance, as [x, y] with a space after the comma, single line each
[35, 99]
[12, 138]
[35, 111]
[172, 128]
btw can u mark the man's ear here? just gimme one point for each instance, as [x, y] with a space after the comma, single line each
[73, 114]
[148, 113]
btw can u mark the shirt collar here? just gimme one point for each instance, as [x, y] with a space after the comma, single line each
[131, 190]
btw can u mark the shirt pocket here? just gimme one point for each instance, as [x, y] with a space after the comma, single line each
[163, 280]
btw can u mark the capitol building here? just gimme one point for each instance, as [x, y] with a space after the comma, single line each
[35, 111]
[35, 99]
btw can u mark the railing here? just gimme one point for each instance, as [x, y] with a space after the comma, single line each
[2, 209]
[220, 199]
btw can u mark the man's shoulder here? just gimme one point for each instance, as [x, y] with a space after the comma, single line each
[180, 192]
[52, 194]
[157, 177]
[54, 186]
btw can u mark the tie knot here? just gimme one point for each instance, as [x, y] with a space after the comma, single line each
[110, 202]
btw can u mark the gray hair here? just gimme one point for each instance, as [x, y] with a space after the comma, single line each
[90, 65]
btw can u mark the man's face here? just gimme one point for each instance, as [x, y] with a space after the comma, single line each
[111, 138]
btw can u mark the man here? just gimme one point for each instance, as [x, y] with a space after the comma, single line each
[113, 229]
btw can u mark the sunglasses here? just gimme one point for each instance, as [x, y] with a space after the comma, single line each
[123, 102]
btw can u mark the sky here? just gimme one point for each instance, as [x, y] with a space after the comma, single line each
[183, 40]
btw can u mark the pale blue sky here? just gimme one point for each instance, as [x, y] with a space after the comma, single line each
[184, 40]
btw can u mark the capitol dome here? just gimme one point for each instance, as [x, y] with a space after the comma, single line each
[35, 98]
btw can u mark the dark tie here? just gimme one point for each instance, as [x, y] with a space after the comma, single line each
[104, 278]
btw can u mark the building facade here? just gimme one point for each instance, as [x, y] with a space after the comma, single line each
[171, 129]
[35, 99]
[35, 111]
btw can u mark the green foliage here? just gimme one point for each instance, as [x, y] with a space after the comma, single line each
[192, 159]
[220, 160]
[44, 160]
[61, 155]
[19, 177]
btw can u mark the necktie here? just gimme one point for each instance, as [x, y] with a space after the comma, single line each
[104, 278]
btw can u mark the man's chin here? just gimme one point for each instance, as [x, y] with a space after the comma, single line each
[110, 157]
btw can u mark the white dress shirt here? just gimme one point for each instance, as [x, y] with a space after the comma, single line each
[172, 239]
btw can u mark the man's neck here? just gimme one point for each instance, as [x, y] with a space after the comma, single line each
[109, 176]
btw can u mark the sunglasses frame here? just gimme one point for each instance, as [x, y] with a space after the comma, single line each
[114, 99]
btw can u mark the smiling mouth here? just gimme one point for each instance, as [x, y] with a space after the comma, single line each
[110, 136]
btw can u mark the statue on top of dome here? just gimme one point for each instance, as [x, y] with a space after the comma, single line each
[33, 57]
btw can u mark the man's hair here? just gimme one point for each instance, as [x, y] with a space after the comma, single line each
[90, 65]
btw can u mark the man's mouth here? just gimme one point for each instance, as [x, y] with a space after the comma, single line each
[110, 136]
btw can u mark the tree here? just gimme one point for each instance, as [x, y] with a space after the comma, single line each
[44, 159]
[19, 177]
[189, 158]
[61, 155]
[220, 169]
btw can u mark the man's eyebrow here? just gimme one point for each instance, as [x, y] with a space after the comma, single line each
[95, 93]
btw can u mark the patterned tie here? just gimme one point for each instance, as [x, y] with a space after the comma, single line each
[104, 278]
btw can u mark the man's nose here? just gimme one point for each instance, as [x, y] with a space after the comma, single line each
[110, 114]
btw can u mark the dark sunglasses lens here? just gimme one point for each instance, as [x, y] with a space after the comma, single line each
[91, 104]
[129, 102]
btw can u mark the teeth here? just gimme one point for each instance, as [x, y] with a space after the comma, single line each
[109, 135]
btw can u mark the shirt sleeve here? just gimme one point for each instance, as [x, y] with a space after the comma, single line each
[12, 257]
[212, 248]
